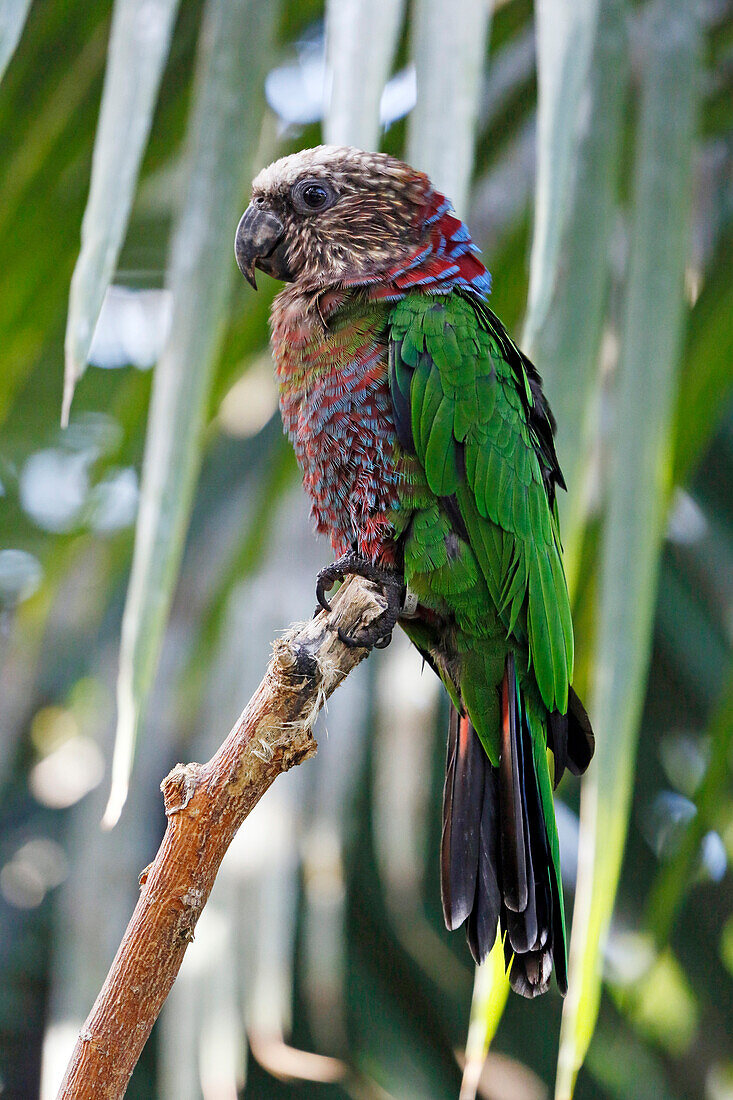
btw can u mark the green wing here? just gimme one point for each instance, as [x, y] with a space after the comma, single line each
[468, 405]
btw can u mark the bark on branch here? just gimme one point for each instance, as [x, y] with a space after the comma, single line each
[205, 805]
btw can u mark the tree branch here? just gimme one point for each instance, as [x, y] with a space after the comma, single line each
[205, 805]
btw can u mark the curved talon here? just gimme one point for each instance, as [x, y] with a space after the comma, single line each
[327, 578]
[321, 595]
[347, 639]
[378, 633]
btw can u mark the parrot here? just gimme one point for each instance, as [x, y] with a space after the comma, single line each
[426, 447]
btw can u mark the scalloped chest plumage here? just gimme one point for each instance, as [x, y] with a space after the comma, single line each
[331, 364]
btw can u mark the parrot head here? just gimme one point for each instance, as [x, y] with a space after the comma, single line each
[330, 214]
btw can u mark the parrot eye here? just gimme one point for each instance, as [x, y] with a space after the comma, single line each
[312, 196]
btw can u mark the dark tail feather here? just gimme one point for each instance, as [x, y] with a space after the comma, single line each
[515, 857]
[496, 863]
[532, 964]
[465, 776]
[517, 870]
[481, 926]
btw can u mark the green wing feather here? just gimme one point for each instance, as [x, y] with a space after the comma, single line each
[471, 432]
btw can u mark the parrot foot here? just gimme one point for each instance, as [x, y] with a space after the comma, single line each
[378, 633]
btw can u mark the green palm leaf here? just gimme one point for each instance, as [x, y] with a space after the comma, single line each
[138, 48]
[234, 51]
[638, 493]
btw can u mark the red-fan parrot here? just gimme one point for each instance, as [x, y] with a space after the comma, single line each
[427, 449]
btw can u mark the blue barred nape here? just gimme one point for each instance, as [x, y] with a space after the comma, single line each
[448, 262]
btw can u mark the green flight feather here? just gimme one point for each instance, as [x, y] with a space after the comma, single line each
[424, 413]
[486, 540]
[441, 458]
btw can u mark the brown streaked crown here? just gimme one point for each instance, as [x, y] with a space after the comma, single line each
[371, 220]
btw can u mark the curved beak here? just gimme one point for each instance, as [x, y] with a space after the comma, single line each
[260, 242]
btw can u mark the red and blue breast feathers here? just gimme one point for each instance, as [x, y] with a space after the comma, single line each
[447, 262]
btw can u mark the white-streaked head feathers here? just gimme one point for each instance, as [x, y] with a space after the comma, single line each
[338, 163]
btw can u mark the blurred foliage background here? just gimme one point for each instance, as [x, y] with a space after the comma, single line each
[160, 541]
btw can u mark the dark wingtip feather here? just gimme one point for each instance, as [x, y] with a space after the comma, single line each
[581, 739]
[571, 739]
